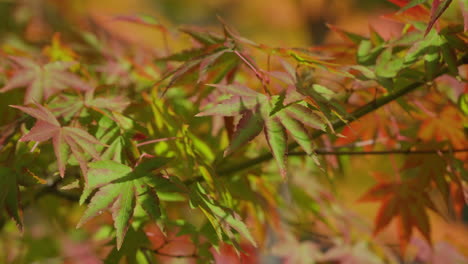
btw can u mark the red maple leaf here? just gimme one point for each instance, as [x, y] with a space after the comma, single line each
[402, 201]
[64, 139]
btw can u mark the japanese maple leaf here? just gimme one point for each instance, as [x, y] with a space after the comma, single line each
[318, 95]
[68, 105]
[64, 139]
[359, 253]
[405, 202]
[216, 57]
[437, 9]
[42, 81]
[301, 80]
[293, 251]
[410, 11]
[371, 128]
[119, 188]
[440, 253]
[260, 112]
[447, 125]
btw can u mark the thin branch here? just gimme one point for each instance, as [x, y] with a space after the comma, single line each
[336, 124]
[380, 152]
[52, 189]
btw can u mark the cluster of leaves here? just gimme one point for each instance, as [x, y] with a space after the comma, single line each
[90, 115]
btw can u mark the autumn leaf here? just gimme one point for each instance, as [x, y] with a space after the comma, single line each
[216, 56]
[446, 126]
[64, 139]
[371, 129]
[291, 250]
[437, 9]
[464, 9]
[219, 216]
[120, 188]
[430, 172]
[348, 253]
[414, 6]
[440, 253]
[405, 202]
[43, 80]
[213, 61]
[260, 112]
[410, 12]
[69, 105]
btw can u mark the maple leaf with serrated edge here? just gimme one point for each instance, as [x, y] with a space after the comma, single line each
[404, 201]
[438, 7]
[217, 214]
[448, 125]
[69, 105]
[430, 171]
[64, 139]
[120, 188]
[42, 81]
[9, 196]
[202, 60]
[410, 11]
[260, 112]
[217, 54]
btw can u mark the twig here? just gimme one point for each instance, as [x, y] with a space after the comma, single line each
[336, 124]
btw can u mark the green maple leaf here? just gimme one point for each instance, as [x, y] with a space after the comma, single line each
[42, 81]
[9, 196]
[274, 115]
[120, 188]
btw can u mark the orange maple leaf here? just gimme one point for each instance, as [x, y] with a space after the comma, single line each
[405, 202]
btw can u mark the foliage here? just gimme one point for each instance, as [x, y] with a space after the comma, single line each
[168, 142]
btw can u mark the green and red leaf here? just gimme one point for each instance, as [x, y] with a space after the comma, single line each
[43, 81]
[64, 139]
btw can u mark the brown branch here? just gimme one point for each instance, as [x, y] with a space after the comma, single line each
[52, 189]
[380, 152]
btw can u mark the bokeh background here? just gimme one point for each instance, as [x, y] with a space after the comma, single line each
[277, 22]
[273, 22]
